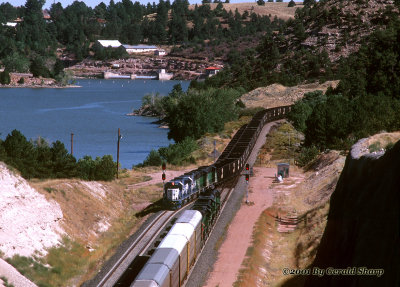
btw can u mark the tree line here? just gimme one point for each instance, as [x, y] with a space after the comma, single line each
[366, 101]
[189, 115]
[32, 44]
[39, 159]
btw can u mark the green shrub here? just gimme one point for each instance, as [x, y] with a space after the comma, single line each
[153, 159]
[307, 154]
[176, 154]
[5, 282]
[61, 264]
[195, 113]
[99, 169]
[179, 153]
[105, 168]
[376, 146]
[5, 78]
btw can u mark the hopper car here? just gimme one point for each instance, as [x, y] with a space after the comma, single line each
[187, 187]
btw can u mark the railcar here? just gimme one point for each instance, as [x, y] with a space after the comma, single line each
[209, 205]
[185, 188]
[170, 263]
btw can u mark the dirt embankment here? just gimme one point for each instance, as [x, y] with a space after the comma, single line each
[40, 214]
[287, 234]
[277, 95]
[363, 228]
[28, 222]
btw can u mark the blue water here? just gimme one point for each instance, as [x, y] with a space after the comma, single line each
[93, 113]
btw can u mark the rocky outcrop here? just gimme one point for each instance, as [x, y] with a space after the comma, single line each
[29, 223]
[338, 27]
[363, 229]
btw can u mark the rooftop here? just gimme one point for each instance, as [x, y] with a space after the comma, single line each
[108, 43]
[139, 47]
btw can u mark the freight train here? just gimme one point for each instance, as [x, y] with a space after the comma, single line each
[187, 187]
[170, 263]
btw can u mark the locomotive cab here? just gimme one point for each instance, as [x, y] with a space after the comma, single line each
[172, 190]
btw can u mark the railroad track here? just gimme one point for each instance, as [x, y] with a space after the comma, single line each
[228, 187]
[199, 270]
[245, 150]
[137, 248]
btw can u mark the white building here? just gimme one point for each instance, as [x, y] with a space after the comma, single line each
[10, 24]
[160, 52]
[139, 49]
[110, 43]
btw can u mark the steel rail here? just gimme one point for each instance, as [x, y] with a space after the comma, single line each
[166, 215]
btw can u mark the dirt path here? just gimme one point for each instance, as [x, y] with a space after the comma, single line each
[238, 238]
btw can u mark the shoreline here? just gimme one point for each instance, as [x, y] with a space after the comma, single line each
[40, 87]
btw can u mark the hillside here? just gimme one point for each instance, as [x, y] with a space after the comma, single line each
[365, 215]
[68, 225]
[271, 9]
[276, 95]
[338, 26]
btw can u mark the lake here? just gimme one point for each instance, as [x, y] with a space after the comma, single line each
[93, 113]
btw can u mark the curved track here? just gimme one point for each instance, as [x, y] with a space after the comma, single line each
[136, 248]
[240, 150]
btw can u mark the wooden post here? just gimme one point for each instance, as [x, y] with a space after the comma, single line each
[72, 143]
[119, 138]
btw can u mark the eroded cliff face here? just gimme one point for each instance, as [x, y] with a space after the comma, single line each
[363, 228]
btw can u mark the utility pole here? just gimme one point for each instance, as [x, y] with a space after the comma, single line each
[215, 150]
[72, 143]
[247, 176]
[119, 138]
[164, 167]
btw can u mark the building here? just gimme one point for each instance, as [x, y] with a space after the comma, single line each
[283, 169]
[160, 52]
[139, 49]
[110, 43]
[46, 15]
[164, 76]
[102, 22]
[11, 24]
[212, 71]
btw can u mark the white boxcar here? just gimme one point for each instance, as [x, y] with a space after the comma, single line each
[170, 258]
[154, 274]
[194, 218]
[180, 244]
[171, 261]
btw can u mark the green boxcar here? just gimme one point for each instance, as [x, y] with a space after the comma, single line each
[208, 176]
[209, 204]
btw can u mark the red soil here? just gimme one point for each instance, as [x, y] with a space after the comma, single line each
[238, 238]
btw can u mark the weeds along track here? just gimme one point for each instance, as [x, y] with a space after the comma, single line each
[137, 248]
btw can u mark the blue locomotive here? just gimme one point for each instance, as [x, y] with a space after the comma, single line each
[187, 187]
